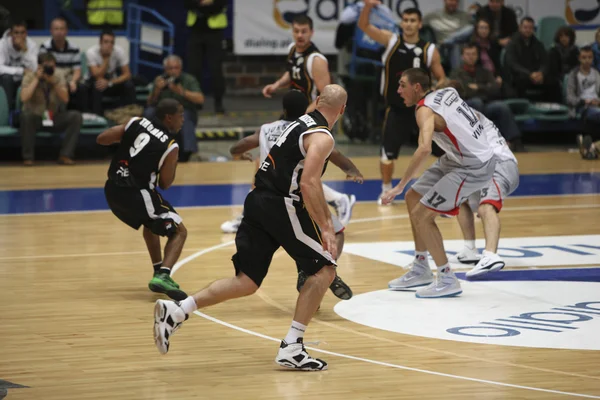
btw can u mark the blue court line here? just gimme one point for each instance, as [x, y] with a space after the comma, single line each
[89, 199]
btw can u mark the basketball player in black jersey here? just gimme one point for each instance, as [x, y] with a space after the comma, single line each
[286, 209]
[402, 52]
[307, 70]
[147, 157]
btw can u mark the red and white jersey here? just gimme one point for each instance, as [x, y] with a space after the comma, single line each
[465, 138]
[496, 140]
[269, 133]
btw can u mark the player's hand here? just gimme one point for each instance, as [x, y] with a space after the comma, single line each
[72, 86]
[355, 175]
[390, 195]
[269, 90]
[329, 242]
[247, 156]
[101, 84]
[39, 73]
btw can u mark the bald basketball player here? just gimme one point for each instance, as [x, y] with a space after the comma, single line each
[286, 209]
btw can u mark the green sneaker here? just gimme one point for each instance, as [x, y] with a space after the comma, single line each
[162, 283]
[172, 281]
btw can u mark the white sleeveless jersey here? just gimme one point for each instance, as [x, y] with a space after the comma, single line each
[496, 140]
[269, 133]
[465, 137]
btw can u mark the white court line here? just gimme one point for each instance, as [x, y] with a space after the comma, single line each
[354, 221]
[366, 360]
[241, 205]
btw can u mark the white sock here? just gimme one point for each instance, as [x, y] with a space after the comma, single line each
[189, 305]
[296, 331]
[444, 269]
[385, 187]
[330, 194]
[470, 244]
[422, 258]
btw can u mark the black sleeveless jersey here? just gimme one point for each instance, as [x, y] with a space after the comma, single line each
[141, 153]
[281, 171]
[297, 66]
[397, 60]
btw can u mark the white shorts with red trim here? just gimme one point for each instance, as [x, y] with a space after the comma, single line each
[504, 182]
[447, 184]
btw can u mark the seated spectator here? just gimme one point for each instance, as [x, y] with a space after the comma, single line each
[449, 26]
[68, 62]
[527, 61]
[583, 89]
[503, 21]
[184, 88]
[18, 55]
[489, 50]
[110, 73]
[45, 94]
[482, 91]
[564, 55]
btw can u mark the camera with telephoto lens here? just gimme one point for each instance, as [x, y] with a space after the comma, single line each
[171, 79]
[49, 70]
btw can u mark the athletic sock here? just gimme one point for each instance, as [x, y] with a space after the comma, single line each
[157, 266]
[164, 270]
[296, 331]
[330, 194]
[188, 305]
[444, 269]
[421, 258]
[470, 244]
[385, 187]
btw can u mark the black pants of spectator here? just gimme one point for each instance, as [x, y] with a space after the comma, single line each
[500, 114]
[68, 122]
[591, 122]
[208, 45]
[125, 92]
[10, 86]
[79, 100]
[546, 92]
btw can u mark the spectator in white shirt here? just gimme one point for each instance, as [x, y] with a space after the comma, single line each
[68, 62]
[110, 73]
[18, 54]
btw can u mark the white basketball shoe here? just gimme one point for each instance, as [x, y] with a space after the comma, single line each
[418, 275]
[445, 285]
[343, 208]
[466, 256]
[168, 317]
[233, 225]
[490, 262]
[294, 356]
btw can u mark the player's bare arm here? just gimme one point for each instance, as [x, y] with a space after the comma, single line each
[346, 165]
[426, 123]
[321, 77]
[240, 150]
[381, 36]
[167, 171]
[111, 135]
[318, 146]
[437, 70]
[284, 81]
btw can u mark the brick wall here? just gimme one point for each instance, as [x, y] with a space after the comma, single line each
[249, 74]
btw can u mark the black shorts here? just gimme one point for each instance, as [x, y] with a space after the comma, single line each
[399, 125]
[137, 207]
[271, 221]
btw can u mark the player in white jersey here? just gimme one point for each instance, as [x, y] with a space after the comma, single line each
[294, 104]
[466, 168]
[488, 203]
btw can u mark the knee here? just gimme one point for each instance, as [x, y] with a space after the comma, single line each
[412, 198]
[326, 274]
[486, 210]
[421, 215]
[247, 286]
[74, 117]
[182, 231]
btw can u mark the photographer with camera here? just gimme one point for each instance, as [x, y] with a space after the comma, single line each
[183, 87]
[45, 95]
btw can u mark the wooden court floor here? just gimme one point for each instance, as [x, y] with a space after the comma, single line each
[76, 314]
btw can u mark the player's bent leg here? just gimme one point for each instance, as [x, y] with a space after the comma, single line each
[386, 167]
[162, 281]
[446, 284]
[153, 244]
[169, 315]
[466, 221]
[490, 260]
[419, 273]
